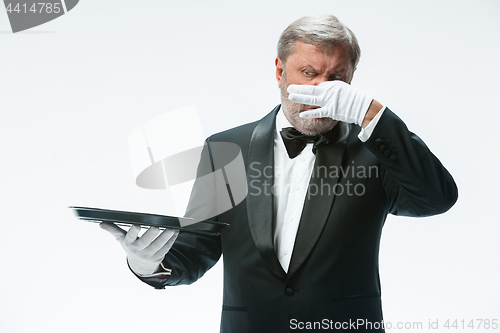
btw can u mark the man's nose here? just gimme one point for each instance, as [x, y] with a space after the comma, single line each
[319, 79]
[323, 78]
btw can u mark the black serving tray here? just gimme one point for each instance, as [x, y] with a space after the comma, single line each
[123, 218]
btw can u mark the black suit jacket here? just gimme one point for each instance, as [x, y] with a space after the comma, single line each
[333, 278]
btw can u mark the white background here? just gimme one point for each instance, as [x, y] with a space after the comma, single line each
[73, 89]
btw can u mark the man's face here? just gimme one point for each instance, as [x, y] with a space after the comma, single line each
[309, 64]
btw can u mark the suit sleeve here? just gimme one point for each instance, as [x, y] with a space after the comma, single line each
[192, 255]
[415, 181]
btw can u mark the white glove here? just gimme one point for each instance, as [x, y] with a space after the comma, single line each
[145, 253]
[336, 99]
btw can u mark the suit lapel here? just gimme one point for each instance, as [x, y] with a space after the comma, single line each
[260, 198]
[317, 206]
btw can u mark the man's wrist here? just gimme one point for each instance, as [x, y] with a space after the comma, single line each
[154, 270]
[373, 110]
[162, 270]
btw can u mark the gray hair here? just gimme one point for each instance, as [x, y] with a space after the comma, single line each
[321, 30]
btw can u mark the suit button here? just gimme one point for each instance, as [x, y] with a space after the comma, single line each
[393, 157]
[387, 153]
[382, 148]
[289, 291]
[378, 141]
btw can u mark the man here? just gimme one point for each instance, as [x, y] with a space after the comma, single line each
[304, 255]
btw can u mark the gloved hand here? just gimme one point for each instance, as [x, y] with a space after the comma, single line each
[336, 99]
[145, 253]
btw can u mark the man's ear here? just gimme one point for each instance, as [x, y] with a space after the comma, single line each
[352, 75]
[279, 70]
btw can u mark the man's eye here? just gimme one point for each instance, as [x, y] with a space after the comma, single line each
[308, 73]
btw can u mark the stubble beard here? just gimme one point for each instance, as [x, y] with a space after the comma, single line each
[291, 110]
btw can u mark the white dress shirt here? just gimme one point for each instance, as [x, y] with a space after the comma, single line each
[291, 179]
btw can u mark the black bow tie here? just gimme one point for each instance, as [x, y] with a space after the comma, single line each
[295, 141]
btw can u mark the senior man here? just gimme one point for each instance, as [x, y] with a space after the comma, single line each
[305, 254]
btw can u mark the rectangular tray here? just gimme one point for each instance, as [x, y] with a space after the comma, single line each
[124, 218]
